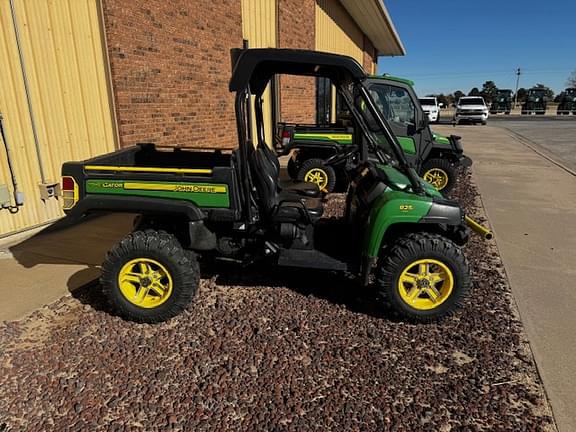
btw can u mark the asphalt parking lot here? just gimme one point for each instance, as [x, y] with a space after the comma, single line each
[554, 136]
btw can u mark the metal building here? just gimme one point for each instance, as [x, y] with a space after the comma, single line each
[84, 77]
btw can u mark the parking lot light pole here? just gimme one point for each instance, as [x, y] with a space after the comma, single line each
[516, 92]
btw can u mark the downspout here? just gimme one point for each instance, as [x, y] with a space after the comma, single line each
[18, 196]
[27, 91]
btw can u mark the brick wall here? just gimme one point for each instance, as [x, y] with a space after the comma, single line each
[370, 58]
[170, 67]
[296, 21]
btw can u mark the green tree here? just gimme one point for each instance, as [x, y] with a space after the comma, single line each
[571, 82]
[458, 94]
[474, 92]
[549, 92]
[489, 91]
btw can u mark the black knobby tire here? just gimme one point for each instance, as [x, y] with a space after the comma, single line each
[292, 168]
[165, 249]
[443, 165]
[318, 164]
[414, 247]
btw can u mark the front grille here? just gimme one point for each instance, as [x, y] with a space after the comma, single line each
[470, 112]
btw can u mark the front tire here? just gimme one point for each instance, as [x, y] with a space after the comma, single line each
[424, 277]
[439, 173]
[315, 171]
[148, 277]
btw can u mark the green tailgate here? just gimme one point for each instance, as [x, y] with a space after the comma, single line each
[202, 194]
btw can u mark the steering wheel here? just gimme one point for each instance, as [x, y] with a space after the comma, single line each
[338, 158]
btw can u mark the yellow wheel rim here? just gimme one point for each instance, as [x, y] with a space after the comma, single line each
[145, 282]
[437, 177]
[318, 176]
[425, 284]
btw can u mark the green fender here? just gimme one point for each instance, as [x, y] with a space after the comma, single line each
[396, 206]
[390, 208]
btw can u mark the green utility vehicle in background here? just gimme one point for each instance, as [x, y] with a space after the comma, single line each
[567, 102]
[314, 148]
[232, 206]
[502, 103]
[536, 101]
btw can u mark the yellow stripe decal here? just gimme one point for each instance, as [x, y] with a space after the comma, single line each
[149, 169]
[334, 137]
[174, 187]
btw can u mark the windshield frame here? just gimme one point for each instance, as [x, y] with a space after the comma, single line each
[397, 159]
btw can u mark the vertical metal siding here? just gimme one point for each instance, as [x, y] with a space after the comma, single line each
[336, 32]
[259, 28]
[61, 42]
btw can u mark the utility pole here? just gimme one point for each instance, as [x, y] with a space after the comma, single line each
[516, 92]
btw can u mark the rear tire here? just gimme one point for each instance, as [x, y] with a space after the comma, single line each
[315, 171]
[423, 277]
[440, 173]
[148, 277]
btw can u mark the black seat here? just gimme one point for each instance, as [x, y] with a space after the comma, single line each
[279, 206]
[301, 188]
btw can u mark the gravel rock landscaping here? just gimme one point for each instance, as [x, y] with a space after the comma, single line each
[277, 350]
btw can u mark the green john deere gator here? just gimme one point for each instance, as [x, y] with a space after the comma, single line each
[232, 206]
[313, 148]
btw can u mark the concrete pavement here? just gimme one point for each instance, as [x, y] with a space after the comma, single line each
[52, 263]
[531, 204]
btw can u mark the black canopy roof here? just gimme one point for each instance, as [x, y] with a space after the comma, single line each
[255, 67]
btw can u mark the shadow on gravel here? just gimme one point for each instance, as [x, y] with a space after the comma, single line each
[333, 287]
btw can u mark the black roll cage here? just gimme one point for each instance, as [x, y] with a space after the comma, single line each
[252, 70]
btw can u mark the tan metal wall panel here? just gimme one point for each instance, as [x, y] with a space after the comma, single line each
[336, 32]
[259, 24]
[62, 46]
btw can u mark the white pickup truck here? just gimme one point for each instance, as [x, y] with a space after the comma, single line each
[431, 108]
[472, 109]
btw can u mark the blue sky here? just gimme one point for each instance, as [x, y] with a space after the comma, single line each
[458, 44]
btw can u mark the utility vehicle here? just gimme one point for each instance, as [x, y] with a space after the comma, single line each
[431, 108]
[232, 206]
[536, 101]
[567, 103]
[314, 149]
[472, 109]
[502, 103]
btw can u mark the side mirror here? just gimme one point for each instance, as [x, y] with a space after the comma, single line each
[441, 105]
